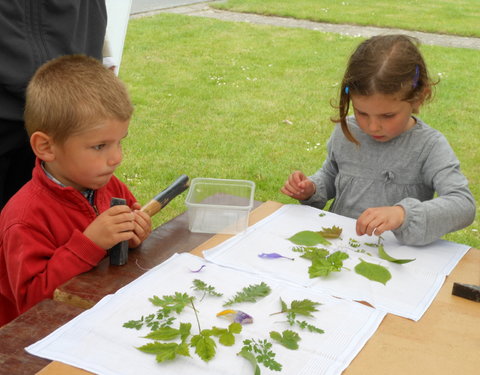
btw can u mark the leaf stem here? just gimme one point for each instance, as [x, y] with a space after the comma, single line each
[196, 315]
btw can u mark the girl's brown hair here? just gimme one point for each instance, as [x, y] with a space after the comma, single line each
[70, 94]
[384, 64]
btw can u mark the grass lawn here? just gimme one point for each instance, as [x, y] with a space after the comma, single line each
[234, 100]
[458, 17]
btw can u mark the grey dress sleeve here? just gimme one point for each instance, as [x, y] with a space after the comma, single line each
[324, 180]
[452, 209]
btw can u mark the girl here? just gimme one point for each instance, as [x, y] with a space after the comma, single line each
[384, 164]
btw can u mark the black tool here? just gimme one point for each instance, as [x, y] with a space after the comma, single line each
[164, 197]
[468, 291]
[119, 252]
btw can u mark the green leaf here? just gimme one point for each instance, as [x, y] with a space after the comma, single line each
[383, 254]
[332, 233]
[201, 286]
[164, 334]
[185, 329]
[249, 356]
[227, 339]
[250, 294]
[204, 345]
[288, 338]
[164, 351]
[305, 325]
[226, 336]
[235, 328]
[309, 238]
[182, 349]
[304, 307]
[373, 272]
[176, 302]
[262, 352]
[136, 324]
[323, 266]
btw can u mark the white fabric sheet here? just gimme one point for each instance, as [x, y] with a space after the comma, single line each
[97, 342]
[408, 293]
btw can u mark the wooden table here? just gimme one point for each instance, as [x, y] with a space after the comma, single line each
[446, 340]
[33, 325]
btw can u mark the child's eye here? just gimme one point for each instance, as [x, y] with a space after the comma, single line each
[99, 147]
[389, 115]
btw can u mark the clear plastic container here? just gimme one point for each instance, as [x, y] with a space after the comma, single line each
[219, 205]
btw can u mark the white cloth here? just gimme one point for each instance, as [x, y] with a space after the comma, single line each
[96, 341]
[408, 293]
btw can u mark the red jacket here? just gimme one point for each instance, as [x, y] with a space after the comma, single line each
[41, 240]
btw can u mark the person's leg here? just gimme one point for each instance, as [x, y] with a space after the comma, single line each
[16, 170]
[16, 159]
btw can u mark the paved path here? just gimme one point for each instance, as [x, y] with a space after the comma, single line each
[203, 10]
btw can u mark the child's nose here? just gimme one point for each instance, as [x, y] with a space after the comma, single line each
[374, 124]
[115, 156]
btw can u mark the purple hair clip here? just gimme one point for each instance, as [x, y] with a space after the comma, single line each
[416, 77]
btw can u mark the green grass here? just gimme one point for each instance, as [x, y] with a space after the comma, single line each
[232, 100]
[459, 17]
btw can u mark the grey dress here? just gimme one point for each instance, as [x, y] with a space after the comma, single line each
[405, 171]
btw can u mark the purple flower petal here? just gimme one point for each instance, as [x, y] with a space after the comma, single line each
[273, 256]
[196, 271]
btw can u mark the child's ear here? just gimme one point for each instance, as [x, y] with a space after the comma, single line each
[419, 102]
[42, 146]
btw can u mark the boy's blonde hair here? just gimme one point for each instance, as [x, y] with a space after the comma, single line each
[71, 93]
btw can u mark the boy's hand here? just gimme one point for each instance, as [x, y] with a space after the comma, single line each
[377, 220]
[112, 226]
[298, 186]
[143, 226]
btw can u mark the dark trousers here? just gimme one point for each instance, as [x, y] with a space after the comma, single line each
[16, 161]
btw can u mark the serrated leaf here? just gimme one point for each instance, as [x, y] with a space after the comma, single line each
[308, 238]
[250, 294]
[185, 329]
[305, 325]
[374, 272]
[182, 349]
[288, 338]
[383, 254]
[304, 307]
[204, 346]
[332, 233]
[201, 286]
[164, 334]
[176, 302]
[323, 266]
[163, 351]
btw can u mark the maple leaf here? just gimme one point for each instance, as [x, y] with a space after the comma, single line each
[332, 233]
[323, 266]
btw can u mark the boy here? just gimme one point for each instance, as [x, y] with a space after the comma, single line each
[60, 223]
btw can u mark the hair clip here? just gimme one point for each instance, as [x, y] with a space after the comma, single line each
[416, 77]
[347, 90]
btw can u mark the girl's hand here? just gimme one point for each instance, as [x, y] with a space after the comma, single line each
[298, 186]
[143, 226]
[112, 226]
[377, 220]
